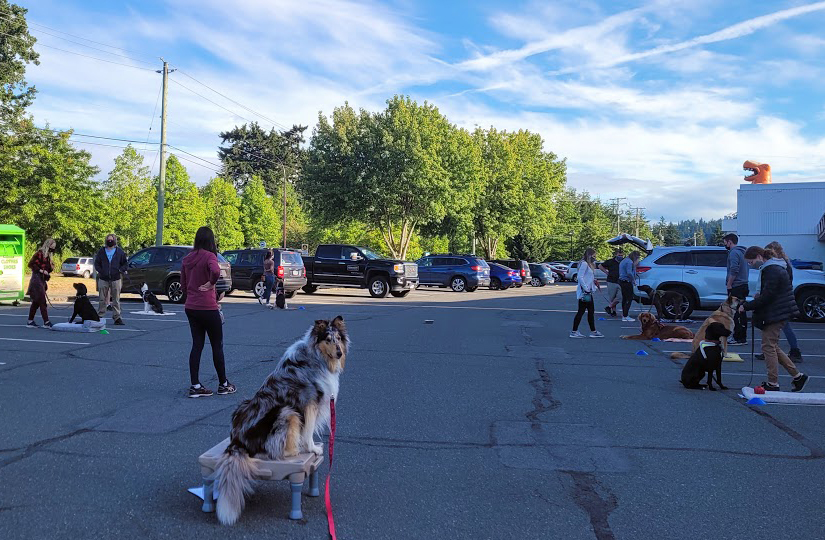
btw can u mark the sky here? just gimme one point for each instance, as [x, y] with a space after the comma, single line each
[659, 102]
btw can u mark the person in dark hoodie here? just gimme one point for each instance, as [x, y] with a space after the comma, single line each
[110, 265]
[773, 306]
[198, 276]
[737, 283]
[795, 354]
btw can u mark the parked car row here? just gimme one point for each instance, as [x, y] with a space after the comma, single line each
[333, 265]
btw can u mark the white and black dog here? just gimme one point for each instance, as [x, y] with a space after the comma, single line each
[282, 417]
[150, 300]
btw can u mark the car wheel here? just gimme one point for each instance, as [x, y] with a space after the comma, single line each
[471, 289]
[458, 284]
[309, 289]
[535, 282]
[688, 305]
[399, 294]
[378, 286]
[518, 285]
[174, 292]
[86, 274]
[575, 278]
[230, 291]
[495, 283]
[812, 305]
[290, 294]
[259, 289]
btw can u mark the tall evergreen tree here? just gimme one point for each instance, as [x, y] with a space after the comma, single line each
[259, 219]
[130, 200]
[223, 213]
[184, 211]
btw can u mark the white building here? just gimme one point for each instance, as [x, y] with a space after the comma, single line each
[792, 214]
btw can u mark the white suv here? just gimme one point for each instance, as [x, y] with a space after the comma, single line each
[699, 273]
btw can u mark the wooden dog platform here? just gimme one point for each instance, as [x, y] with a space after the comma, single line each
[295, 469]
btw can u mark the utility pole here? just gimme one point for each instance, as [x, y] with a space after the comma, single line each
[284, 224]
[637, 218]
[616, 203]
[162, 173]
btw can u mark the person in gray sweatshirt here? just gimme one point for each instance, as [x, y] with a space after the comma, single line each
[737, 284]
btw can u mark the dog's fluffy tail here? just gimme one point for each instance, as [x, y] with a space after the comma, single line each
[234, 480]
[676, 355]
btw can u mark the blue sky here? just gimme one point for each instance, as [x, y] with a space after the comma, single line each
[657, 101]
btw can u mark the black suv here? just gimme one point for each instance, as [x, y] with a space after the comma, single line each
[458, 272]
[248, 266]
[159, 268]
[522, 267]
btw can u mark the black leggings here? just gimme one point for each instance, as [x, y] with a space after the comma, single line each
[627, 296]
[43, 312]
[203, 322]
[590, 317]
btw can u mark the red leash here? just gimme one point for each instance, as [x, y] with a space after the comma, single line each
[329, 470]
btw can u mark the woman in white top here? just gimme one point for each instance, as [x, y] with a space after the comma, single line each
[587, 285]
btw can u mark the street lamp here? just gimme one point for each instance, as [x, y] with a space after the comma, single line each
[571, 244]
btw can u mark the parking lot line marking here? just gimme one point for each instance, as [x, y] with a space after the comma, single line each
[126, 319]
[109, 329]
[44, 341]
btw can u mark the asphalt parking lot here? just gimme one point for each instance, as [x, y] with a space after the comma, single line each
[488, 422]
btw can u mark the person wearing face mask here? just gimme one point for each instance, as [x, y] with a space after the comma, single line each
[773, 306]
[614, 291]
[627, 279]
[737, 284]
[584, 293]
[41, 267]
[110, 265]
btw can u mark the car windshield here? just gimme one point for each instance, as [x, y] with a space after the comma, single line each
[221, 258]
[371, 255]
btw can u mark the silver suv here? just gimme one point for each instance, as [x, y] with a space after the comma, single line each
[78, 266]
[699, 273]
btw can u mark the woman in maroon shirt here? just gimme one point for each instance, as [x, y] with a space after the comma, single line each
[199, 273]
[41, 267]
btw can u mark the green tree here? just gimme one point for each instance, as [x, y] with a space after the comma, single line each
[223, 213]
[130, 200]
[49, 189]
[718, 234]
[259, 219]
[183, 208]
[385, 169]
[672, 237]
[16, 52]
[700, 238]
[520, 180]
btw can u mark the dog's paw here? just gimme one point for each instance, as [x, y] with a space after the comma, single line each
[317, 449]
[290, 453]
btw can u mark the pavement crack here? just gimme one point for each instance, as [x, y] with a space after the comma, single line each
[31, 449]
[596, 500]
[543, 400]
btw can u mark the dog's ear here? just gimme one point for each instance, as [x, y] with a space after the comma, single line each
[338, 324]
[319, 331]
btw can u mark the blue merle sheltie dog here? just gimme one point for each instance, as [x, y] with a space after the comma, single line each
[281, 418]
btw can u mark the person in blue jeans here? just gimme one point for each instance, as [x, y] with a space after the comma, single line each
[269, 278]
[627, 278]
[738, 273]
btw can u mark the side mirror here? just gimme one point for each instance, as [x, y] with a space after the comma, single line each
[355, 256]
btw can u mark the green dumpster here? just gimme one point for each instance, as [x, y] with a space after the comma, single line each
[12, 263]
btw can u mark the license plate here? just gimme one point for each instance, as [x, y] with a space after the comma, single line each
[295, 272]
[223, 273]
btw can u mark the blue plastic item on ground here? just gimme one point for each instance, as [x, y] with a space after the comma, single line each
[756, 401]
[641, 353]
[655, 339]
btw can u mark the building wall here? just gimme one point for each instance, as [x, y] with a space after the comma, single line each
[788, 213]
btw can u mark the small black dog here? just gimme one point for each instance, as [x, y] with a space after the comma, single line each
[82, 306]
[150, 300]
[280, 298]
[706, 359]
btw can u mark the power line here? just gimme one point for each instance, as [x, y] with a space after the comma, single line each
[271, 121]
[152, 121]
[95, 48]
[196, 163]
[210, 101]
[88, 56]
[194, 156]
[72, 35]
[110, 145]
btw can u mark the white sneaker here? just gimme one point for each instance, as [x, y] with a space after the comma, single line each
[576, 334]
[596, 334]
[628, 319]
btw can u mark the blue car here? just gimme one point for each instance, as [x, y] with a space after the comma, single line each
[458, 272]
[502, 277]
[540, 275]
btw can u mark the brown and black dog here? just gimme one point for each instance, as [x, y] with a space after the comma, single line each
[667, 303]
[723, 315]
[652, 328]
[706, 359]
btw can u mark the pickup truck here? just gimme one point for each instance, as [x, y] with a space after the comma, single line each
[340, 265]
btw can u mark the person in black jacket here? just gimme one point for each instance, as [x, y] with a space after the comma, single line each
[773, 306]
[110, 265]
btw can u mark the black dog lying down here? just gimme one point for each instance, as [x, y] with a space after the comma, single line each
[82, 306]
[707, 358]
[662, 300]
